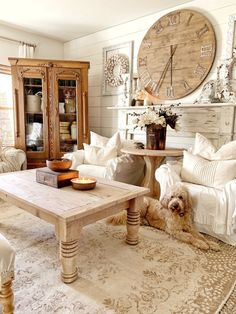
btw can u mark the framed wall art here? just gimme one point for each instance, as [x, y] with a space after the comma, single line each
[231, 37]
[117, 69]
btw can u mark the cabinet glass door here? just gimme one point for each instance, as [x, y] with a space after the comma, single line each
[67, 115]
[34, 118]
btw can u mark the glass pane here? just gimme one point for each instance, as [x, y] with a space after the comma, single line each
[6, 111]
[33, 114]
[67, 115]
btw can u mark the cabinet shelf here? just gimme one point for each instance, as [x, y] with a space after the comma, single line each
[29, 112]
[32, 85]
[68, 141]
[66, 87]
[67, 114]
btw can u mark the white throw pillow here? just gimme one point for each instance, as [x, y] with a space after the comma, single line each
[102, 141]
[209, 173]
[204, 148]
[98, 140]
[99, 156]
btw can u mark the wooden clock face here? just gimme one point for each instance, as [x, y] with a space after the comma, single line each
[176, 54]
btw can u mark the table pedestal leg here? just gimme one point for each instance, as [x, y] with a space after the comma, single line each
[133, 221]
[6, 298]
[68, 255]
[149, 181]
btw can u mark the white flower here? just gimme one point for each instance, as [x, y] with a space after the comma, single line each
[160, 116]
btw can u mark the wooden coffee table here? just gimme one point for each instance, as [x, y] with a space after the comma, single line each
[69, 210]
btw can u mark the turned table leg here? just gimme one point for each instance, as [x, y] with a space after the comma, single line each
[6, 297]
[149, 181]
[133, 221]
[68, 255]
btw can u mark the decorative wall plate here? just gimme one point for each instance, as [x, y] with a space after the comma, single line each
[115, 67]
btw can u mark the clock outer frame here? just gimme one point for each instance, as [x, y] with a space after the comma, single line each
[146, 55]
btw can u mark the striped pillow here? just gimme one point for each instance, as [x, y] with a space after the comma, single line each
[214, 173]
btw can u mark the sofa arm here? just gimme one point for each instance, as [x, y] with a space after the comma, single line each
[14, 157]
[76, 157]
[229, 202]
[167, 175]
[126, 168]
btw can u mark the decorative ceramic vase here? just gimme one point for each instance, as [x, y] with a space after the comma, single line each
[155, 137]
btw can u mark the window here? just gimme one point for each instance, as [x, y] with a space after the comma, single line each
[6, 107]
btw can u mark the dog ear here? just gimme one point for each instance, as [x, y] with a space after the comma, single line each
[165, 201]
[189, 202]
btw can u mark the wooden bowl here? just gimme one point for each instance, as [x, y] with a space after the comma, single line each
[83, 183]
[59, 164]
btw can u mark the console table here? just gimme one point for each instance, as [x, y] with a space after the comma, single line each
[153, 159]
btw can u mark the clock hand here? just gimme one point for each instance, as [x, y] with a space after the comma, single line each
[166, 67]
[171, 72]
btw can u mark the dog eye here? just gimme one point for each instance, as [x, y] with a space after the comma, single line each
[180, 197]
[172, 196]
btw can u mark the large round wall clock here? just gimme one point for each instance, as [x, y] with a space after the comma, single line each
[176, 54]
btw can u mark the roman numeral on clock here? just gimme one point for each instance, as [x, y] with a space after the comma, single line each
[170, 92]
[173, 19]
[153, 88]
[187, 87]
[200, 71]
[147, 43]
[189, 19]
[142, 62]
[206, 51]
[145, 78]
[202, 31]
[158, 28]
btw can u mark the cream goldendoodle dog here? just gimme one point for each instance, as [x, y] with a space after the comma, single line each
[172, 214]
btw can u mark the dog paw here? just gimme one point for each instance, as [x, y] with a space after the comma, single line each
[214, 246]
[201, 245]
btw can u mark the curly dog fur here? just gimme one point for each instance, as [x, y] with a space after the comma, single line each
[173, 214]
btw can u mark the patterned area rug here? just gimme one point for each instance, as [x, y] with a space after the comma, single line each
[160, 275]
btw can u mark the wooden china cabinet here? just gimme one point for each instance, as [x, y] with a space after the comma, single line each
[51, 107]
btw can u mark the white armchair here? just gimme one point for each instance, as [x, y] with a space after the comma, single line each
[102, 159]
[211, 185]
[12, 159]
[7, 260]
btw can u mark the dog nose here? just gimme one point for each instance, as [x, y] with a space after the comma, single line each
[176, 206]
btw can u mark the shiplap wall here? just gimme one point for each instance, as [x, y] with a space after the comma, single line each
[90, 48]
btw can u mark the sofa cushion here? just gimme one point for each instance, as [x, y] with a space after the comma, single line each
[214, 173]
[204, 148]
[91, 171]
[98, 155]
[102, 141]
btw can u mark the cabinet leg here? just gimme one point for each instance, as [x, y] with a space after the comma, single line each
[6, 298]
[133, 222]
[68, 255]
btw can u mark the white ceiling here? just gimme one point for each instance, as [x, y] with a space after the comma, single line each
[65, 20]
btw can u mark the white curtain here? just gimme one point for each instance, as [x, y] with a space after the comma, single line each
[26, 50]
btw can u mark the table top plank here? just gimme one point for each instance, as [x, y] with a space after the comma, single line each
[168, 152]
[66, 202]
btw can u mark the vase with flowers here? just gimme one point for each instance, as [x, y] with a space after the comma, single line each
[155, 120]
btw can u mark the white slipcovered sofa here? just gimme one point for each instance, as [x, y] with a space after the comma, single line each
[12, 159]
[209, 176]
[102, 158]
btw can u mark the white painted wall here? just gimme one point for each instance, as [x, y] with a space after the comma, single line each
[46, 48]
[90, 48]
